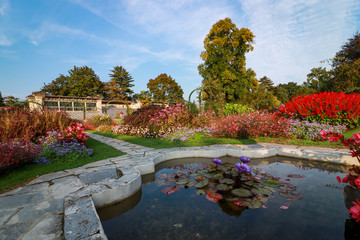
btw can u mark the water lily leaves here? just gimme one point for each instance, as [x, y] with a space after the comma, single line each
[199, 179]
[251, 183]
[170, 189]
[295, 176]
[222, 187]
[241, 192]
[212, 170]
[218, 176]
[209, 175]
[227, 181]
[254, 204]
[213, 196]
[182, 182]
[202, 184]
[262, 191]
[200, 192]
[195, 175]
[271, 182]
[190, 184]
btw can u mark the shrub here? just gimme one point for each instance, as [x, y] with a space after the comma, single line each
[255, 124]
[99, 120]
[170, 118]
[74, 132]
[135, 131]
[17, 153]
[141, 117]
[104, 128]
[204, 119]
[230, 109]
[54, 149]
[22, 123]
[312, 131]
[325, 107]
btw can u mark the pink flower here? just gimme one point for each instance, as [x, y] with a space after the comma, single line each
[357, 182]
[356, 137]
[355, 210]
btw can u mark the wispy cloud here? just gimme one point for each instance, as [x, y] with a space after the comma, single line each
[4, 5]
[294, 36]
[4, 40]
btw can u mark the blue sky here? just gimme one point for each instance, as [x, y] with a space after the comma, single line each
[40, 39]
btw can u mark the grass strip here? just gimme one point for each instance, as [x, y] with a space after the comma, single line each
[20, 176]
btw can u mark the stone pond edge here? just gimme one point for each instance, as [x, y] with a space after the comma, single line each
[80, 217]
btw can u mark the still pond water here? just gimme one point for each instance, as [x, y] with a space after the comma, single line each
[305, 202]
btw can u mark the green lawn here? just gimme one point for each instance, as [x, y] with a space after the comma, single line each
[22, 175]
[159, 143]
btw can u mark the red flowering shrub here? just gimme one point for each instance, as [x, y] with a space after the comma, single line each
[170, 118]
[141, 117]
[22, 123]
[325, 107]
[76, 131]
[17, 153]
[255, 124]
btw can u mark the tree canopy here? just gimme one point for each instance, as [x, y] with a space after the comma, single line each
[224, 59]
[81, 81]
[120, 84]
[165, 88]
[2, 103]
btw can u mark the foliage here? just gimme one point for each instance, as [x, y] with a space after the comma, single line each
[353, 178]
[185, 134]
[97, 120]
[120, 84]
[320, 79]
[231, 108]
[144, 97]
[312, 131]
[349, 52]
[224, 59]
[55, 148]
[104, 128]
[15, 153]
[81, 82]
[2, 103]
[19, 123]
[164, 89]
[170, 118]
[347, 76]
[132, 130]
[74, 132]
[250, 125]
[142, 116]
[326, 107]
[204, 119]
[9, 101]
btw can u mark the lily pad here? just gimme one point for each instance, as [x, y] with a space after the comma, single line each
[212, 170]
[202, 184]
[213, 196]
[251, 183]
[227, 181]
[241, 192]
[271, 182]
[218, 176]
[195, 175]
[200, 192]
[170, 189]
[262, 191]
[222, 187]
[255, 204]
[190, 184]
[182, 182]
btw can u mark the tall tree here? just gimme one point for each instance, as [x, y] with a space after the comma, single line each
[164, 88]
[2, 103]
[10, 100]
[320, 80]
[120, 84]
[81, 82]
[266, 83]
[349, 52]
[224, 59]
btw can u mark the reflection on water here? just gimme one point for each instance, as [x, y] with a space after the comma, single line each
[151, 214]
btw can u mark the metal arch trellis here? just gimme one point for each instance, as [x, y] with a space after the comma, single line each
[202, 89]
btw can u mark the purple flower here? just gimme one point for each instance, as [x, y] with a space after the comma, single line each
[242, 167]
[245, 159]
[217, 161]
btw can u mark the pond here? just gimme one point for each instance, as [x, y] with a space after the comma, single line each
[283, 198]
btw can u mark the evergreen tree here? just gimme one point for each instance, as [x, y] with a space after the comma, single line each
[165, 88]
[2, 103]
[120, 84]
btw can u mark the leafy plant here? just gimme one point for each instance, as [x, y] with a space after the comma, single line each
[142, 116]
[185, 134]
[231, 108]
[312, 131]
[99, 120]
[255, 124]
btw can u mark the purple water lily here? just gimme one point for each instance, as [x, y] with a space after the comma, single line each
[245, 159]
[242, 167]
[217, 161]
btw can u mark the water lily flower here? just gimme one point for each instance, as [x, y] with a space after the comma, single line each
[217, 161]
[355, 210]
[242, 167]
[338, 179]
[245, 159]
